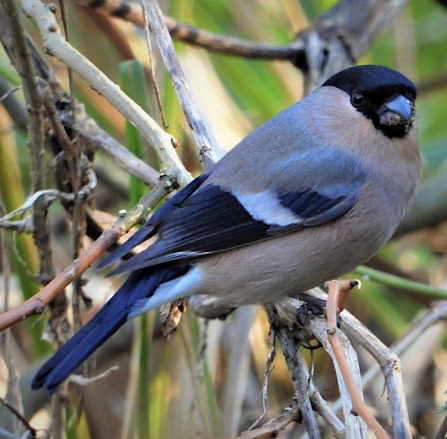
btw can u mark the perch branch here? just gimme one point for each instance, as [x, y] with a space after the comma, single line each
[296, 365]
[334, 288]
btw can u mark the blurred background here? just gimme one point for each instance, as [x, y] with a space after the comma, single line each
[206, 380]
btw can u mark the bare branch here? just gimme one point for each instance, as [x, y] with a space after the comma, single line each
[55, 44]
[297, 366]
[334, 338]
[36, 304]
[198, 37]
[195, 123]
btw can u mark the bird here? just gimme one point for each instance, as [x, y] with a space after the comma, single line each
[303, 199]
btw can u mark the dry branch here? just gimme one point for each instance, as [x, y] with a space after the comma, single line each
[55, 44]
[36, 304]
[358, 405]
[158, 27]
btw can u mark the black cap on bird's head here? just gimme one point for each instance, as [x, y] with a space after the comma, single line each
[382, 94]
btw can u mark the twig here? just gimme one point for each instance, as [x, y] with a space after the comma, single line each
[81, 380]
[36, 137]
[390, 365]
[358, 404]
[13, 105]
[36, 304]
[89, 131]
[50, 196]
[9, 93]
[387, 359]
[267, 370]
[296, 366]
[12, 391]
[55, 44]
[355, 427]
[19, 416]
[322, 407]
[290, 307]
[154, 82]
[198, 37]
[158, 27]
[23, 63]
[272, 428]
[120, 155]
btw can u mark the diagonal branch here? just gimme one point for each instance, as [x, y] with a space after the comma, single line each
[36, 304]
[158, 27]
[55, 44]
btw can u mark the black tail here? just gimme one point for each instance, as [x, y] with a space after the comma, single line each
[139, 285]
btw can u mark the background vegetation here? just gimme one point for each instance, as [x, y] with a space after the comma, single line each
[180, 391]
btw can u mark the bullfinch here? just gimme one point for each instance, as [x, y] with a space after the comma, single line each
[303, 199]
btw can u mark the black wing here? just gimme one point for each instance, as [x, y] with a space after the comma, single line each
[211, 220]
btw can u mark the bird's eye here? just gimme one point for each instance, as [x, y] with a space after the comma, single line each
[357, 99]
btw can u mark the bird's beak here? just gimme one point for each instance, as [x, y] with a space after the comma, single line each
[397, 113]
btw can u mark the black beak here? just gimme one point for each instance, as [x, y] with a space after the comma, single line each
[397, 113]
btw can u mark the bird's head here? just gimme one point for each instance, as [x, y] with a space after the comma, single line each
[381, 94]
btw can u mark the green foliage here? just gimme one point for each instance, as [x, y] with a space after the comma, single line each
[234, 95]
[135, 86]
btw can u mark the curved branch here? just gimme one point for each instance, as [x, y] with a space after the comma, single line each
[198, 37]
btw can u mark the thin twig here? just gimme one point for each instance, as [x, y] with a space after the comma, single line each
[158, 27]
[36, 304]
[104, 142]
[272, 428]
[19, 416]
[267, 370]
[36, 136]
[296, 366]
[91, 134]
[50, 196]
[12, 392]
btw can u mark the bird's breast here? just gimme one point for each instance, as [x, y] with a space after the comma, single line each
[286, 265]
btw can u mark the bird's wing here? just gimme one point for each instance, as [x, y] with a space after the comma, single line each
[213, 219]
[149, 229]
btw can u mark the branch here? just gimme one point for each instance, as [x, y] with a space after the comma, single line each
[296, 365]
[22, 60]
[36, 304]
[271, 429]
[158, 27]
[92, 134]
[88, 129]
[55, 44]
[333, 42]
[198, 37]
[359, 407]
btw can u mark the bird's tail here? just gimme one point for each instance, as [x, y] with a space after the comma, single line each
[139, 285]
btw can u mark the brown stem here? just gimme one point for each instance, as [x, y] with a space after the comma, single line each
[358, 405]
[36, 304]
